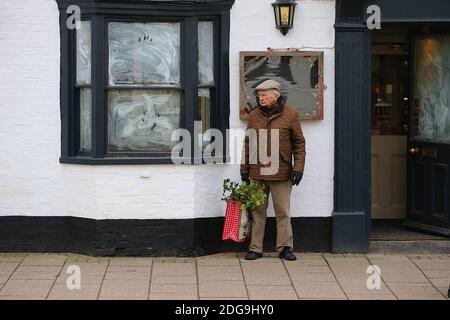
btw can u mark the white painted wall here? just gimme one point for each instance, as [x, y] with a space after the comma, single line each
[34, 183]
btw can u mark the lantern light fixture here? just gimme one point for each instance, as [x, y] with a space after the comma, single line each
[284, 14]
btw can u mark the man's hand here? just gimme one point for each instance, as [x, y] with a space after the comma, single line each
[245, 177]
[296, 177]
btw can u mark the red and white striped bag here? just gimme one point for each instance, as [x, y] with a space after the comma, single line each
[237, 226]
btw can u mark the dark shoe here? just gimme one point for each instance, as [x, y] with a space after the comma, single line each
[287, 254]
[252, 255]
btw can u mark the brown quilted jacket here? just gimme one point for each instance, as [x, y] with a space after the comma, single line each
[291, 143]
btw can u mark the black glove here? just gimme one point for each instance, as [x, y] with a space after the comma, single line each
[245, 177]
[296, 177]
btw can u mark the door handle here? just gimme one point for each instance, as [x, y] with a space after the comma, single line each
[414, 150]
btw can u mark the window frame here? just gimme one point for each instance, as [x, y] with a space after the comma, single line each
[100, 13]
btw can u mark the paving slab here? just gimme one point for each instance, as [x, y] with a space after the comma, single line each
[213, 272]
[124, 289]
[86, 292]
[271, 293]
[225, 276]
[44, 260]
[319, 290]
[222, 289]
[410, 291]
[26, 288]
[27, 272]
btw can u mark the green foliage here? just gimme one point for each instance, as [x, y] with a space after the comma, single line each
[250, 195]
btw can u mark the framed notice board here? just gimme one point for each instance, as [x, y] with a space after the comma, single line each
[300, 74]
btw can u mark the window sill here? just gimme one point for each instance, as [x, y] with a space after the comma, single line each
[128, 160]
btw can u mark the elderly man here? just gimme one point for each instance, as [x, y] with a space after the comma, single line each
[273, 115]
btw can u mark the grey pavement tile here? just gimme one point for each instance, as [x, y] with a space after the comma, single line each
[388, 257]
[131, 262]
[44, 260]
[442, 285]
[128, 272]
[265, 274]
[439, 256]
[350, 270]
[86, 268]
[138, 268]
[267, 279]
[319, 290]
[271, 293]
[79, 258]
[307, 262]
[219, 262]
[173, 296]
[410, 291]
[433, 265]
[348, 260]
[309, 255]
[222, 298]
[418, 257]
[264, 260]
[36, 273]
[84, 279]
[175, 269]
[360, 287]
[173, 260]
[312, 277]
[24, 297]
[27, 288]
[173, 279]
[124, 289]
[401, 272]
[11, 257]
[225, 289]
[173, 288]
[127, 275]
[437, 274]
[371, 297]
[211, 272]
[308, 269]
[8, 267]
[264, 267]
[86, 292]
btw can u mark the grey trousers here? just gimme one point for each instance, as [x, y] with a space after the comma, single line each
[281, 197]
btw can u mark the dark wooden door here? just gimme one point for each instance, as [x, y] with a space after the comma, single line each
[429, 137]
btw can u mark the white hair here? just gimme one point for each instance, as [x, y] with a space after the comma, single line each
[275, 92]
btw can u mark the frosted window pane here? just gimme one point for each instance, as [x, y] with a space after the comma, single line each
[204, 112]
[85, 119]
[204, 108]
[83, 36]
[140, 120]
[205, 53]
[144, 53]
[432, 88]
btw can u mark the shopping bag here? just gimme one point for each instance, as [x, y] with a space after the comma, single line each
[237, 224]
[245, 225]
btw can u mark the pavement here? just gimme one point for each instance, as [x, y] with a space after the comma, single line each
[225, 277]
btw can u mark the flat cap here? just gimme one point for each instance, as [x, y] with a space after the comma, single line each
[268, 85]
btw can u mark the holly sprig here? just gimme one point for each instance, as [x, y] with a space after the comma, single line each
[249, 195]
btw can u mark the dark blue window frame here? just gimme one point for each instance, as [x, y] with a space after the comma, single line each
[100, 12]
